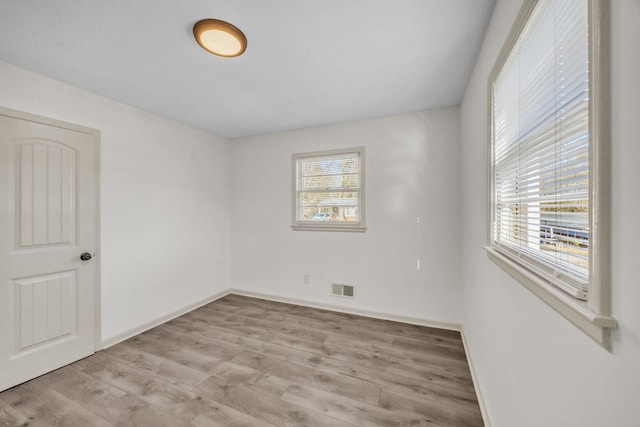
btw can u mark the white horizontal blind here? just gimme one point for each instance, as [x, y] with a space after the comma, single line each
[329, 189]
[541, 146]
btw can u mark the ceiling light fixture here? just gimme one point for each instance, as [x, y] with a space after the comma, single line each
[219, 37]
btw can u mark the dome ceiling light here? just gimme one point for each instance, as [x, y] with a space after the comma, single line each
[219, 37]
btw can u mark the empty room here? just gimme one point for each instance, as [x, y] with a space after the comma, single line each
[320, 213]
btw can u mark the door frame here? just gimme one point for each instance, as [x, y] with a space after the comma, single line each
[95, 136]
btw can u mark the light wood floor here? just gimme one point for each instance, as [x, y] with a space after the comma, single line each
[249, 362]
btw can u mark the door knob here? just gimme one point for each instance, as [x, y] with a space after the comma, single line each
[86, 256]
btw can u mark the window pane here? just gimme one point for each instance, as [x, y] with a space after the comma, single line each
[339, 206]
[328, 189]
[323, 182]
[333, 165]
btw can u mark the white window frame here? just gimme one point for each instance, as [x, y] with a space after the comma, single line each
[328, 225]
[593, 315]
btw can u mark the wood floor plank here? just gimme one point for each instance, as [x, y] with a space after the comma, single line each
[81, 387]
[235, 338]
[228, 375]
[309, 341]
[358, 334]
[341, 385]
[431, 348]
[237, 327]
[190, 357]
[9, 417]
[272, 306]
[131, 411]
[224, 305]
[90, 360]
[336, 321]
[159, 366]
[220, 415]
[36, 401]
[176, 402]
[191, 324]
[348, 410]
[415, 357]
[440, 393]
[111, 403]
[404, 330]
[431, 413]
[242, 361]
[290, 329]
[195, 342]
[209, 312]
[276, 411]
[326, 321]
[355, 338]
[429, 359]
[435, 374]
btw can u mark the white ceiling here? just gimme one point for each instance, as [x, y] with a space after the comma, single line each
[308, 62]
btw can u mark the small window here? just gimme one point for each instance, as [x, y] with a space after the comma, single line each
[548, 159]
[328, 190]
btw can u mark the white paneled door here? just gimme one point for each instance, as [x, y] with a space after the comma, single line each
[48, 243]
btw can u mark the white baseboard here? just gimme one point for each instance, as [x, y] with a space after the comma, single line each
[162, 319]
[349, 310]
[476, 383]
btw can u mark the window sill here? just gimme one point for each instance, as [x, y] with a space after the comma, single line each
[596, 325]
[325, 227]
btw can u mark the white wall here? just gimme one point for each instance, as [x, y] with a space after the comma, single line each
[164, 201]
[412, 170]
[536, 368]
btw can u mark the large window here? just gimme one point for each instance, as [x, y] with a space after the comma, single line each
[329, 190]
[548, 207]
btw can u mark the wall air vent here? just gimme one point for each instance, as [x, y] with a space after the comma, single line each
[342, 290]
